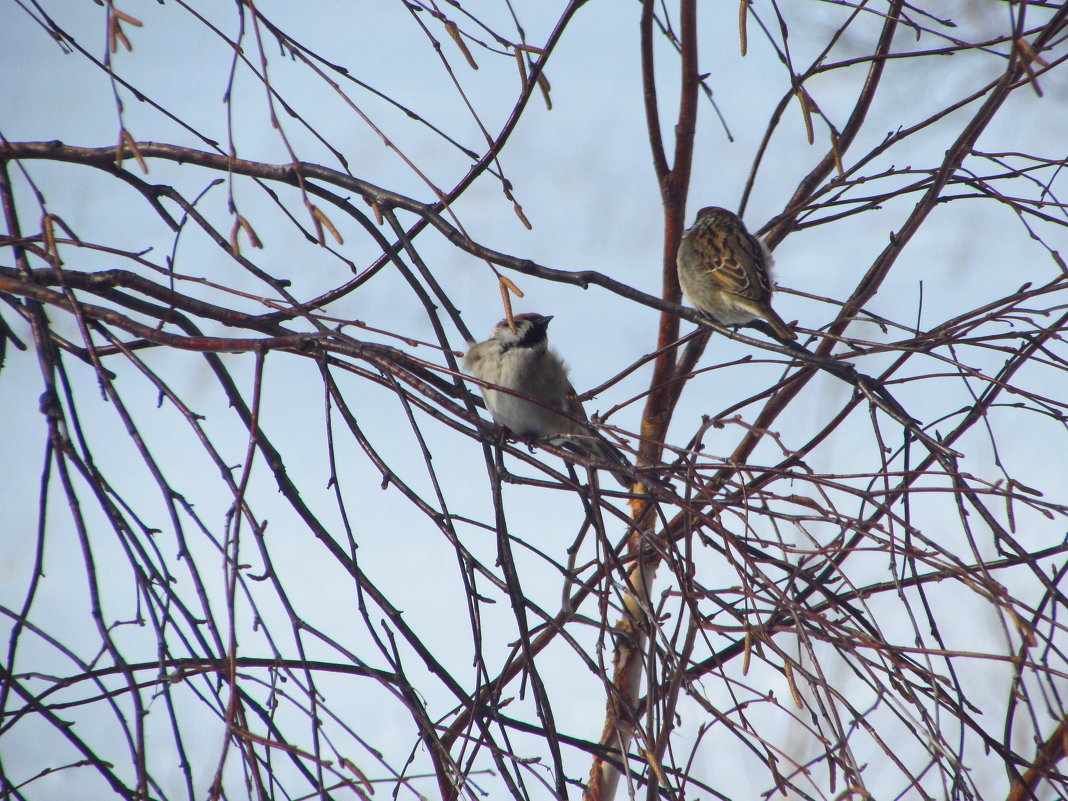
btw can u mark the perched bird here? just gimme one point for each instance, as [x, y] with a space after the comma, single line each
[724, 271]
[522, 361]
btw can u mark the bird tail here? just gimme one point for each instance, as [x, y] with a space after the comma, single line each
[779, 325]
[594, 446]
[607, 452]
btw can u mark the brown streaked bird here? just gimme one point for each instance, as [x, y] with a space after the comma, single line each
[725, 271]
[522, 361]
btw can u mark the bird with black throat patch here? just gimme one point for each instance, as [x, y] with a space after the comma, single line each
[528, 390]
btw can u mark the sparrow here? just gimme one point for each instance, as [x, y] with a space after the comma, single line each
[522, 361]
[725, 271]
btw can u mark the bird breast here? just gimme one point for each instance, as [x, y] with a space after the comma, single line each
[538, 373]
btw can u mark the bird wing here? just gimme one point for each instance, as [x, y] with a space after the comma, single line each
[740, 269]
[570, 404]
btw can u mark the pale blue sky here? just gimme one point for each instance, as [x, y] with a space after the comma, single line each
[582, 173]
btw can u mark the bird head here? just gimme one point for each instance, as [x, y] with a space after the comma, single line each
[715, 213]
[530, 331]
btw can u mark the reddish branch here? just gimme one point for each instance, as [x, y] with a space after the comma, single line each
[782, 606]
[674, 181]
